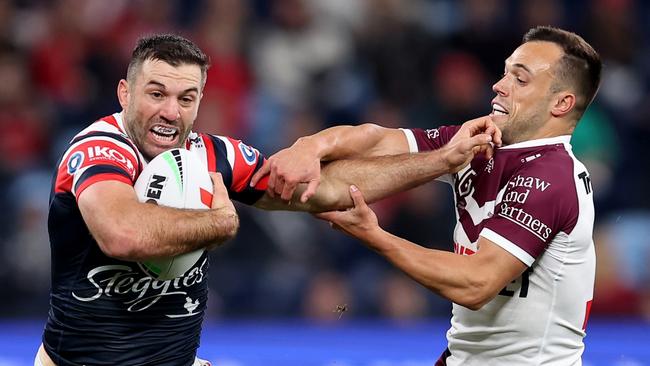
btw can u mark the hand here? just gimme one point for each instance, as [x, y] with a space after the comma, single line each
[477, 136]
[290, 167]
[220, 198]
[359, 221]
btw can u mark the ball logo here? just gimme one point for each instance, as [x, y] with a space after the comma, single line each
[248, 153]
[75, 162]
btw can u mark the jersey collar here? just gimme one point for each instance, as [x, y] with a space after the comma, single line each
[564, 139]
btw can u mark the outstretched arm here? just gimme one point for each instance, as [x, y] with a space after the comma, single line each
[383, 176]
[301, 163]
[470, 281]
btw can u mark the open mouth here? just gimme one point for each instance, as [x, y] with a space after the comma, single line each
[498, 110]
[164, 134]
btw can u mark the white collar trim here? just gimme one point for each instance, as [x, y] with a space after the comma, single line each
[564, 139]
[120, 121]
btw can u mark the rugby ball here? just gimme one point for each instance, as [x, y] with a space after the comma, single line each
[176, 178]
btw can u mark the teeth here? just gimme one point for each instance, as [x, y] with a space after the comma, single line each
[167, 131]
[498, 110]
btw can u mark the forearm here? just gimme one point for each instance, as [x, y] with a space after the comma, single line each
[148, 231]
[167, 232]
[447, 274]
[365, 140]
[377, 177]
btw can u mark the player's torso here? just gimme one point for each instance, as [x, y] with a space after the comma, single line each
[105, 310]
[539, 318]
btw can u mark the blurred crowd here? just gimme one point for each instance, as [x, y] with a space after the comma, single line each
[282, 69]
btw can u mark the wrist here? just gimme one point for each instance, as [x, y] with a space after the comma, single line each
[443, 158]
[315, 145]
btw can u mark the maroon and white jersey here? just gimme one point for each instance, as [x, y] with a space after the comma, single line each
[534, 200]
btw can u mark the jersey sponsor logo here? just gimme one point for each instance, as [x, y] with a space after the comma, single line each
[432, 133]
[139, 292]
[75, 162]
[519, 197]
[525, 220]
[250, 157]
[528, 182]
[586, 181]
[106, 153]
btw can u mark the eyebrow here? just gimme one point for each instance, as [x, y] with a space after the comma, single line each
[162, 86]
[522, 66]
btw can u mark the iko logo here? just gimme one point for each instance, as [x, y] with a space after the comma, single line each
[75, 161]
[250, 157]
[104, 152]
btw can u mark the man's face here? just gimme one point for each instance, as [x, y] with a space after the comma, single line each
[160, 105]
[524, 97]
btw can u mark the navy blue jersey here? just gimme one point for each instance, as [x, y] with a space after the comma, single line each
[105, 311]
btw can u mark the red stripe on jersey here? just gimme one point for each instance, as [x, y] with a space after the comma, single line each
[110, 119]
[242, 170]
[206, 197]
[210, 153]
[63, 180]
[263, 183]
[587, 312]
[101, 178]
[92, 152]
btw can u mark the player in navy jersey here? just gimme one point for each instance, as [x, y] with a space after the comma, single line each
[522, 275]
[103, 309]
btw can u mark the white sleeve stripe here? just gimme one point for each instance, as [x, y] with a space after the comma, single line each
[410, 137]
[99, 138]
[509, 246]
[75, 178]
[230, 151]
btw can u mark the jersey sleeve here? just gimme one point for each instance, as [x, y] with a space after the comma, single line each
[237, 162]
[96, 157]
[421, 140]
[536, 205]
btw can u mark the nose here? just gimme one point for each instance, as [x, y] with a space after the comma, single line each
[170, 110]
[499, 87]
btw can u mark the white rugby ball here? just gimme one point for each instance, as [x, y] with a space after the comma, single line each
[176, 178]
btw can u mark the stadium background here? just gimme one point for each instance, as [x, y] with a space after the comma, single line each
[285, 68]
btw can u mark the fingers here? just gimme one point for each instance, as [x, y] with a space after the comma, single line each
[327, 216]
[310, 191]
[357, 197]
[219, 192]
[287, 190]
[264, 170]
[270, 189]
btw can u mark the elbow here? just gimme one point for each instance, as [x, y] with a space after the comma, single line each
[122, 247]
[476, 295]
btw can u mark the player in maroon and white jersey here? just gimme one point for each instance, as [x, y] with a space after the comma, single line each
[104, 310]
[522, 275]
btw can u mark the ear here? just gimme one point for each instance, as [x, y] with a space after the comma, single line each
[123, 93]
[564, 103]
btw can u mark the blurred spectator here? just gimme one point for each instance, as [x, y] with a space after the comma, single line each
[222, 34]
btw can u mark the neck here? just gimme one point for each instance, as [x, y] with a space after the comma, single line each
[553, 128]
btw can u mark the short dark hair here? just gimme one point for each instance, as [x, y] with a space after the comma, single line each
[170, 48]
[580, 66]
